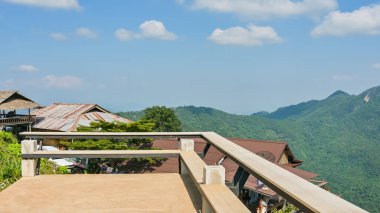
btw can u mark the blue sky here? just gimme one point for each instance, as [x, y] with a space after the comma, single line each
[240, 56]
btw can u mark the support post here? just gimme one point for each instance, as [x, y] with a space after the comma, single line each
[240, 178]
[205, 150]
[185, 145]
[28, 166]
[212, 175]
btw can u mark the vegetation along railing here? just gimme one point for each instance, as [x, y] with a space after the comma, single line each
[210, 179]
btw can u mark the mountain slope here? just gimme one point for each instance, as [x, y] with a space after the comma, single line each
[337, 137]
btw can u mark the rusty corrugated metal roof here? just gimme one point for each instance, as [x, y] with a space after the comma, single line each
[67, 117]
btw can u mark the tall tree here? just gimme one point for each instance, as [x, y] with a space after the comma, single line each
[164, 118]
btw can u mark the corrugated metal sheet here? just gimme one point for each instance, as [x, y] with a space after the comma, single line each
[67, 117]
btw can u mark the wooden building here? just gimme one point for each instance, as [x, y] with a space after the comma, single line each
[15, 111]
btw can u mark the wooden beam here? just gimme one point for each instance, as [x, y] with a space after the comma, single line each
[102, 154]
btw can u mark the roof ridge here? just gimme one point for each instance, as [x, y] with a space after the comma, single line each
[72, 103]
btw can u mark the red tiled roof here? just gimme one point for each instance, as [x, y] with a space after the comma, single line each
[256, 146]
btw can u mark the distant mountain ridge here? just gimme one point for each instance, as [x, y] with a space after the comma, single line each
[337, 137]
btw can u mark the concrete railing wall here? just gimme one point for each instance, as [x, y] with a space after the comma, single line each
[305, 195]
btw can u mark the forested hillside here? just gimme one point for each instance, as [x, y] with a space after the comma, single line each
[338, 138]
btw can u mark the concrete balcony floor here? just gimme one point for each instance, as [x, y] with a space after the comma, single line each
[102, 193]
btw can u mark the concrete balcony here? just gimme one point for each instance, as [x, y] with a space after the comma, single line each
[196, 187]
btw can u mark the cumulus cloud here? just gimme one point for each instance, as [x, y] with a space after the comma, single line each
[124, 35]
[251, 36]
[63, 82]
[54, 4]
[25, 68]
[156, 29]
[58, 36]
[266, 9]
[148, 30]
[363, 21]
[376, 66]
[86, 33]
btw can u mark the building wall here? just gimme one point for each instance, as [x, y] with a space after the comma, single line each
[284, 158]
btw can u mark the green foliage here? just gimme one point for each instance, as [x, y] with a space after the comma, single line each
[289, 208]
[105, 144]
[132, 115]
[10, 159]
[48, 167]
[134, 165]
[62, 170]
[164, 118]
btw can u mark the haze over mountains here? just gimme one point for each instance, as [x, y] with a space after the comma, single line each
[337, 137]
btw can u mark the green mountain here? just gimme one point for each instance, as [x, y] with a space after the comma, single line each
[337, 137]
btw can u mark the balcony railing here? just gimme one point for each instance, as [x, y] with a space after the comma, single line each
[209, 179]
[17, 119]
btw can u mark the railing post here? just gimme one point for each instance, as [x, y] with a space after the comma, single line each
[212, 175]
[185, 145]
[28, 166]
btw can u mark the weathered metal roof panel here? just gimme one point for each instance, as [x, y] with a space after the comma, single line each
[67, 117]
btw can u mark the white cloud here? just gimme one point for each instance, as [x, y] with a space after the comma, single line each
[26, 68]
[148, 30]
[267, 8]
[54, 4]
[376, 66]
[156, 29]
[124, 35]
[58, 36]
[64, 82]
[86, 33]
[343, 77]
[363, 21]
[251, 36]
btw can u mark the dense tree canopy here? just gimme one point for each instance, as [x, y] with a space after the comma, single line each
[129, 165]
[164, 118]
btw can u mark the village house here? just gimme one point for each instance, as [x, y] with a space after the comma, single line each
[15, 111]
